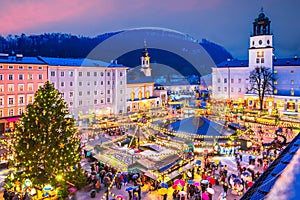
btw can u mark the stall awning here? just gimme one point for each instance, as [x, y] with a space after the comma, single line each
[151, 175]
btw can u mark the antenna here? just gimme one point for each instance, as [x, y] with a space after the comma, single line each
[261, 10]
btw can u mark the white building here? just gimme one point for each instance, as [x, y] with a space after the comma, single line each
[230, 78]
[140, 93]
[89, 87]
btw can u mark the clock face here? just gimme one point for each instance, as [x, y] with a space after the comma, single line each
[260, 42]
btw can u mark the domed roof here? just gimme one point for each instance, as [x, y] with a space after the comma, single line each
[167, 48]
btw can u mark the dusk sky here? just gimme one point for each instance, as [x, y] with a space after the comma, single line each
[225, 22]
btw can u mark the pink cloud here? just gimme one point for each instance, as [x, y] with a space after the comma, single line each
[17, 16]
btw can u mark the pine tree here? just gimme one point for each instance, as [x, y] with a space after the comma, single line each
[47, 146]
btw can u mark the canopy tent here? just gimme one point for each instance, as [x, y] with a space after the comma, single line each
[201, 126]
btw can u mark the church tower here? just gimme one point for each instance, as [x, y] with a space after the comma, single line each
[261, 43]
[145, 61]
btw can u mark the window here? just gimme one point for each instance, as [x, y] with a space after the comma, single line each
[62, 84]
[275, 71]
[20, 76]
[108, 82]
[101, 101]
[80, 93]
[11, 112]
[20, 111]
[275, 82]
[71, 74]
[1, 67]
[10, 67]
[240, 90]
[225, 80]
[30, 77]
[40, 68]
[95, 101]
[225, 89]
[292, 82]
[79, 73]
[10, 87]
[1, 77]
[257, 60]
[101, 74]
[121, 91]
[21, 87]
[40, 85]
[71, 94]
[232, 90]
[219, 80]
[108, 100]
[95, 73]
[101, 83]
[95, 92]
[262, 60]
[121, 82]
[219, 89]
[52, 73]
[232, 80]
[30, 99]
[80, 102]
[10, 77]
[292, 92]
[40, 76]
[1, 88]
[30, 67]
[239, 80]
[108, 91]
[121, 73]
[1, 101]
[95, 82]
[88, 83]
[260, 54]
[88, 93]
[21, 100]
[30, 87]
[62, 95]
[71, 103]
[1, 113]
[62, 74]
[71, 83]
[108, 73]
[10, 101]
[80, 83]
[275, 91]
[21, 67]
[88, 73]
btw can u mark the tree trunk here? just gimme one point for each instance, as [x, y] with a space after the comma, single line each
[261, 102]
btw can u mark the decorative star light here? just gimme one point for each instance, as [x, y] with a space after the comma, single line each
[61, 145]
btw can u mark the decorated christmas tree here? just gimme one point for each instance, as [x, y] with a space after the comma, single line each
[46, 151]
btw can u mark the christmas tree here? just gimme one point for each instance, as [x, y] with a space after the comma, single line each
[47, 146]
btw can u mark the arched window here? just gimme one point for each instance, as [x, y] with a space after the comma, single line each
[147, 94]
[132, 96]
[140, 95]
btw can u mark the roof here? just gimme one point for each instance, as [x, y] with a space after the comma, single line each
[263, 186]
[233, 63]
[200, 126]
[286, 61]
[142, 79]
[74, 62]
[21, 60]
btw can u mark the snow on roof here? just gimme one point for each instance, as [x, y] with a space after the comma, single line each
[74, 62]
[21, 60]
